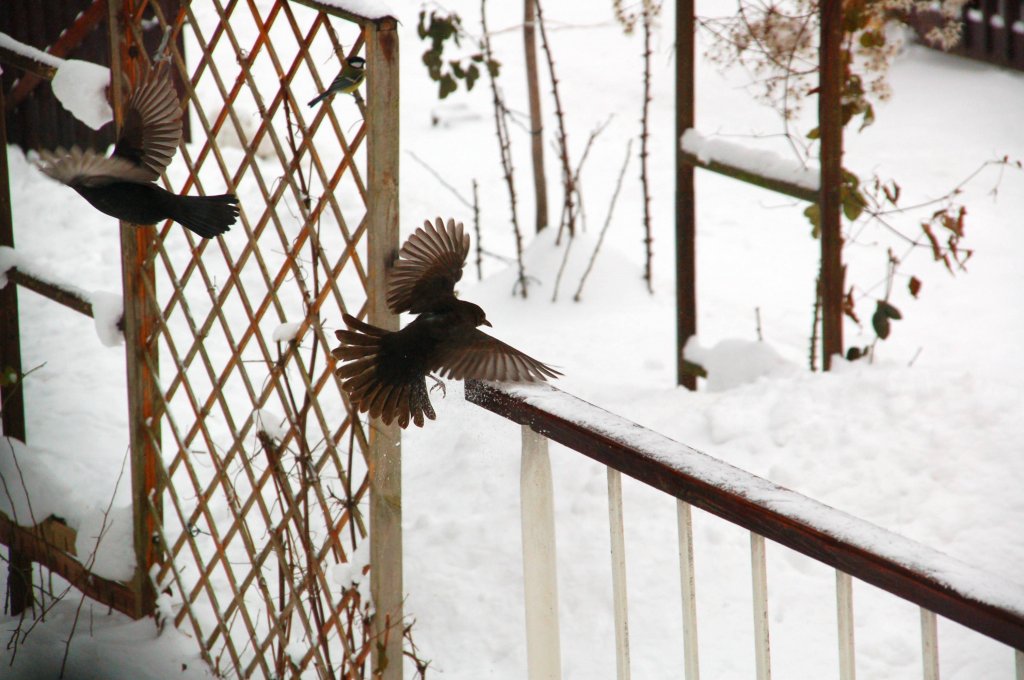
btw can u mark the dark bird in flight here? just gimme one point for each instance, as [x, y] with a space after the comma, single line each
[123, 184]
[386, 371]
[347, 82]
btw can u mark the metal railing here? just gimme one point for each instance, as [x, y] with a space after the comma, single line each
[940, 585]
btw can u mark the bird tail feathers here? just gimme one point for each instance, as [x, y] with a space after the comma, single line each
[207, 216]
[402, 400]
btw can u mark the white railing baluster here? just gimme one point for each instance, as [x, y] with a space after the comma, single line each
[844, 613]
[543, 650]
[1018, 656]
[620, 603]
[930, 644]
[688, 591]
[759, 571]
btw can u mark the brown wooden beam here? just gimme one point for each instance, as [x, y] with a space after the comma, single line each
[44, 545]
[686, 211]
[770, 183]
[779, 520]
[830, 122]
[69, 298]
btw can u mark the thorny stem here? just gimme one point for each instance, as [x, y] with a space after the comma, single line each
[501, 125]
[568, 178]
[644, 153]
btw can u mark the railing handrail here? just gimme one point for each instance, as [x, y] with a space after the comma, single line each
[977, 599]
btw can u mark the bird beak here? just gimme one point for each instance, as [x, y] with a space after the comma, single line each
[487, 323]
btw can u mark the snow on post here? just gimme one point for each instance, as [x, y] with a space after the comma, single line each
[750, 164]
[81, 88]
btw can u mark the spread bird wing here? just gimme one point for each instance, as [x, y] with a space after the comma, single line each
[152, 125]
[90, 169]
[430, 263]
[474, 354]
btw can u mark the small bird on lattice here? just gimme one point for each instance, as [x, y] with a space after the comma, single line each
[123, 184]
[347, 82]
[386, 371]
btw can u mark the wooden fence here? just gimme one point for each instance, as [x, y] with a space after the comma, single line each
[252, 478]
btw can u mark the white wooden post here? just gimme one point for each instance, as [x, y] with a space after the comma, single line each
[759, 571]
[691, 665]
[543, 650]
[618, 541]
[844, 612]
[1018, 656]
[930, 644]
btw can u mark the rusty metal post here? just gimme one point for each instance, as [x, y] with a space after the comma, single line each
[686, 216]
[141, 352]
[385, 440]
[12, 404]
[830, 81]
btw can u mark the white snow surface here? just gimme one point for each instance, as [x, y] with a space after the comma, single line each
[924, 442]
[107, 310]
[368, 9]
[286, 332]
[81, 88]
[760, 161]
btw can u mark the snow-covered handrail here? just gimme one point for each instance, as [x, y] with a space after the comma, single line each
[359, 11]
[942, 584]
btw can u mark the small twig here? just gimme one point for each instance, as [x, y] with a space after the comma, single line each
[815, 318]
[441, 180]
[757, 320]
[476, 229]
[607, 221]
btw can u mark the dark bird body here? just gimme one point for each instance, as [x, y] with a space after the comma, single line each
[123, 184]
[386, 371]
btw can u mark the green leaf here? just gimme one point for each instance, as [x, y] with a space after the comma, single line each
[493, 67]
[447, 86]
[880, 322]
[813, 215]
[889, 310]
[814, 134]
[472, 74]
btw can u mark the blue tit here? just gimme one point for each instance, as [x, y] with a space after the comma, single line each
[348, 81]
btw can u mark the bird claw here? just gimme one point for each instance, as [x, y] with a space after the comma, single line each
[438, 384]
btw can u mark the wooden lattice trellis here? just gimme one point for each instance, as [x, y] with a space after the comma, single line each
[251, 475]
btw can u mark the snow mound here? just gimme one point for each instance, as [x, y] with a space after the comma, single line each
[734, 362]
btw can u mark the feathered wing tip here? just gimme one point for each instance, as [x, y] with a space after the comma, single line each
[207, 216]
[153, 124]
[430, 263]
[402, 401]
[88, 168]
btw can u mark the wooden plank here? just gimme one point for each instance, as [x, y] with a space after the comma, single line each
[141, 321]
[759, 581]
[830, 123]
[763, 181]
[620, 600]
[686, 212]
[53, 291]
[382, 145]
[844, 616]
[540, 580]
[929, 645]
[33, 544]
[688, 591]
[995, 619]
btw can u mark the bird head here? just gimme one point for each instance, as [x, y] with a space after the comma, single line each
[357, 63]
[473, 313]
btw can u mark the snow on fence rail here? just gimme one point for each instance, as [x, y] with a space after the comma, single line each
[936, 582]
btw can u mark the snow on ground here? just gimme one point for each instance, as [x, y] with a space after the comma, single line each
[924, 442]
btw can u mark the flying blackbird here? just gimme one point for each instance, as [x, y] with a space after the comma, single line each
[386, 371]
[122, 185]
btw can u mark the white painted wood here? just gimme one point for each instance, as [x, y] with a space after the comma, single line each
[759, 571]
[619, 599]
[930, 644]
[1018, 655]
[691, 665]
[543, 648]
[844, 613]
